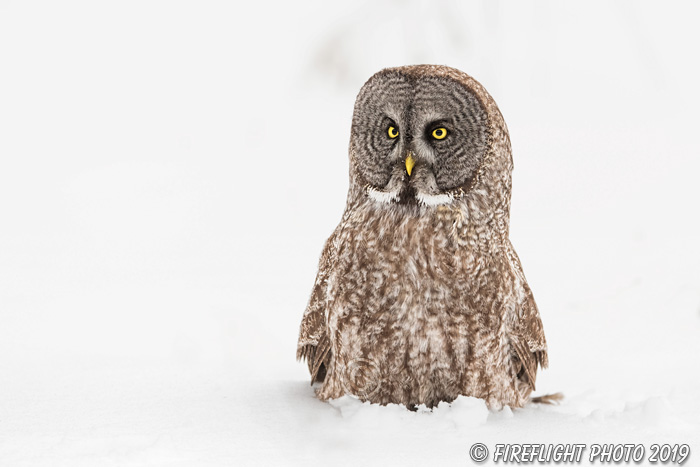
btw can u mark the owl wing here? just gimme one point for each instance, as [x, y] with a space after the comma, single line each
[314, 344]
[525, 326]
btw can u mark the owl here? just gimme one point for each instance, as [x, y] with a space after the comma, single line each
[420, 296]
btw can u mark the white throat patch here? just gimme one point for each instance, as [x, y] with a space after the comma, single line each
[425, 199]
[382, 196]
[434, 200]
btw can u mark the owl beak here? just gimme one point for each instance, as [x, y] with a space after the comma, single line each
[410, 162]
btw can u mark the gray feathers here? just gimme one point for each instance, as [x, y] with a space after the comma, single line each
[416, 104]
[420, 296]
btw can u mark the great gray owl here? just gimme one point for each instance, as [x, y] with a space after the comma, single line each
[420, 296]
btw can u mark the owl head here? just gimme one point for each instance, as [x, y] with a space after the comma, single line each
[422, 135]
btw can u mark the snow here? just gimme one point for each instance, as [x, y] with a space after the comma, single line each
[170, 171]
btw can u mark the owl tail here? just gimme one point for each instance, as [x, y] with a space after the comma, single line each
[549, 399]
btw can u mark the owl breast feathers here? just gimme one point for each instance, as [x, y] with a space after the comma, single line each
[420, 296]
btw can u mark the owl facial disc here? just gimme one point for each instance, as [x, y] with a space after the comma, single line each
[416, 138]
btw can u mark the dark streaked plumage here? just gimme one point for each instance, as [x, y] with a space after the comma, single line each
[420, 296]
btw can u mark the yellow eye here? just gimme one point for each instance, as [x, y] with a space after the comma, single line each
[393, 132]
[439, 133]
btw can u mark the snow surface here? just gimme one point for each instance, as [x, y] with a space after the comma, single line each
[170, 171]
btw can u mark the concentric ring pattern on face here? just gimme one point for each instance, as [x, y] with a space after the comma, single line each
[416, 107]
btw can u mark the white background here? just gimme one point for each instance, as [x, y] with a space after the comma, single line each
[169, 172]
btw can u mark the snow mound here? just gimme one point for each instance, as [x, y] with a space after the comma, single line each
[462, 413]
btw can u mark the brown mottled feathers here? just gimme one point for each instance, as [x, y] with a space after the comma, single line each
[527, 337]
[420, 296]
[314, 344]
